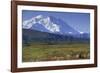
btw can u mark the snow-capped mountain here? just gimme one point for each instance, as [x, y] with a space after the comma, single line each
[49, 29]
[49, 24]
[44, 21]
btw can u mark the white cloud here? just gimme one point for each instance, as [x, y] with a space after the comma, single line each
[70, 32]
[81, 32]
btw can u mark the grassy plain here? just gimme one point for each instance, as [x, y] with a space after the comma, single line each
[52, 52]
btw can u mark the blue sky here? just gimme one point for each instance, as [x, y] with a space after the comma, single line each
[79, 21]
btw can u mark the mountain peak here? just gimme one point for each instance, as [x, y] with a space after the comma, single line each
[49, 24]
[40, 19]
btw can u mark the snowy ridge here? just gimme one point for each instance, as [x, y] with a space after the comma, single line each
[45, 21]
